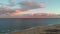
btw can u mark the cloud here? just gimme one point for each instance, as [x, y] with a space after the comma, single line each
[30, 5]
[24, 6]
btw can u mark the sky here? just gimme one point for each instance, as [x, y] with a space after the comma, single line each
[52, 6]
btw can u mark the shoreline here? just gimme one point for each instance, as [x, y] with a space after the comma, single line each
[38, 30]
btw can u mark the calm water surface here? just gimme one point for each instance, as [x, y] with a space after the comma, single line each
[14, 24]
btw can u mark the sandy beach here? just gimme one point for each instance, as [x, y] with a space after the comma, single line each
[52, 29]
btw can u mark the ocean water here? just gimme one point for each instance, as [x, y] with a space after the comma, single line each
[14, 24]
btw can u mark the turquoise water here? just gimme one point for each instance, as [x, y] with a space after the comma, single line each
[12, 24]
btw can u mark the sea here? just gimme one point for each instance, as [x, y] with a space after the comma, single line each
[16, 24]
